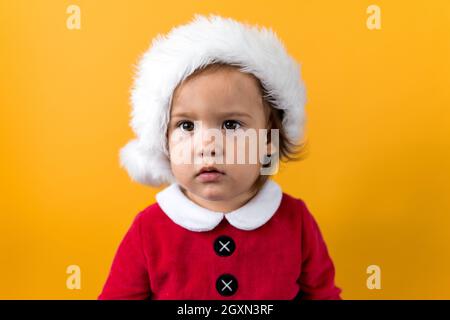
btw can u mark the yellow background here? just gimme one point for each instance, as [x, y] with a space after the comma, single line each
[376, 179]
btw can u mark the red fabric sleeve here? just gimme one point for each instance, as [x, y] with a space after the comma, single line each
[317, 276]
[128, 278]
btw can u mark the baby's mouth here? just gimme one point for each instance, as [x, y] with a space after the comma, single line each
[209, 174]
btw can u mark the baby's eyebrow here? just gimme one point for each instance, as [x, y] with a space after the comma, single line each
[222, 114]
[181, 115]
[236, 114]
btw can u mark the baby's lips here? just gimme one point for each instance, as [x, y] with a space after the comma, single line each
[210, 168]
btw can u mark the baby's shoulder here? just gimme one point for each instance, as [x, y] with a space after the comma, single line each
[295, 206]
[150, 215]
[292, 202]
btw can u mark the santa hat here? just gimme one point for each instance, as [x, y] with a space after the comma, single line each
[173, 57]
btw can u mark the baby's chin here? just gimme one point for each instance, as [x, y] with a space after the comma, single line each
[213, 191]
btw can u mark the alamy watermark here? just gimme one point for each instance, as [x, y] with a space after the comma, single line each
[250, 146]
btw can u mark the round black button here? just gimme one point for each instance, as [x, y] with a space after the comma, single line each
[226, 285]
[224, 246]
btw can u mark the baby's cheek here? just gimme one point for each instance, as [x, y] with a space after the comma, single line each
[180, 150]
[243, 173]
[182, 172]
[180, 159]
[247, 153]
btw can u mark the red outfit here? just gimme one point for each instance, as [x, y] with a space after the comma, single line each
[279, 259]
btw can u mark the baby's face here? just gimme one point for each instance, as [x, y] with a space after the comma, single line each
[226, 100]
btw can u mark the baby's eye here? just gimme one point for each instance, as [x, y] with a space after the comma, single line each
[231, 125]
[186, 125]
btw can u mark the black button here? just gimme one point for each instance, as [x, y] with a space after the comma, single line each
[226, 285]
[224, 246]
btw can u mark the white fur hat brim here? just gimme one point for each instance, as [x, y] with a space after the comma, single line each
[173, 57]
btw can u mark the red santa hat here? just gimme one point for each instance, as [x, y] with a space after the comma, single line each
[173, 57]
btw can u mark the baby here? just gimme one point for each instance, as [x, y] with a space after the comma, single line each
[207, 95]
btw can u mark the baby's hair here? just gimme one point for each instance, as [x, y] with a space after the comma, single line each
[288, 150]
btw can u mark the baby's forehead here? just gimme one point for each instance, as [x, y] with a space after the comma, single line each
[219, 83]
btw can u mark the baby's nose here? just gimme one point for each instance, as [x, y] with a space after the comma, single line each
[209, 143]
[208, 153]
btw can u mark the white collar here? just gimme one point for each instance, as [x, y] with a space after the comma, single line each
[184, 212]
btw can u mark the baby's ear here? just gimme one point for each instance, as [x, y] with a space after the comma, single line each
[271, 148]
[272, 141]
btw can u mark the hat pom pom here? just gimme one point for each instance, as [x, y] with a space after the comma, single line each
[145, 166]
